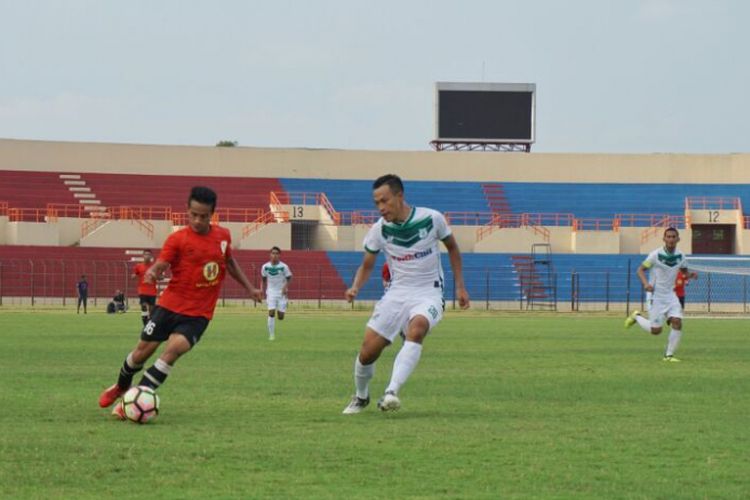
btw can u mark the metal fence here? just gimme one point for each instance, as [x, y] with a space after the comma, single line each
[44, 282]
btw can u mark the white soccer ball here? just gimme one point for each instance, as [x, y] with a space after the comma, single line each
[141, 404]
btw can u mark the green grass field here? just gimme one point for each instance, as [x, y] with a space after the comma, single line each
[501, 406]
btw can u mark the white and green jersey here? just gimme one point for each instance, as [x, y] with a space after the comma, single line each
[276, 277]
[411, 249]
[663, 267]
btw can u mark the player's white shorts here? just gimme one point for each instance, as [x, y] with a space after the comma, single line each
[394, 311]
[277, 302]
[661, 308]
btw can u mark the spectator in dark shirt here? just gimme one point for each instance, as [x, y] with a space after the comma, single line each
[83, 293]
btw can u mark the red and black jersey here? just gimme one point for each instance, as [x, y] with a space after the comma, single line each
[148, 289]
[198, 263]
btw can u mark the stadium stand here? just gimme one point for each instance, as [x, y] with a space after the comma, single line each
[353, 195]
[586, 200]
[583, 200]
[33, 189]
[170, 190]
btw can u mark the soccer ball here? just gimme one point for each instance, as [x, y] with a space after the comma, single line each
[141, 404]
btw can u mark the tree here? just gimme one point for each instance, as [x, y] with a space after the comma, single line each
[226, 144]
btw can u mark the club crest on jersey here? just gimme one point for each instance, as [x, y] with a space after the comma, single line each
[211, 271]
[224, 245]
[422, 233]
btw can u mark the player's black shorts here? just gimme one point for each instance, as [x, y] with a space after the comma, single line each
[682, 301]
[164, 323]
[147, 299]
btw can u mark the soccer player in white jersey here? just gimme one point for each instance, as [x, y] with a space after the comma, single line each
[663, 264]
[276, 277]
[413, 303]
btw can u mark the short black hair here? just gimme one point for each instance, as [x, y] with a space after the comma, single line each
[393, 182]
[276, 248]
[670, 228]
[204, 195]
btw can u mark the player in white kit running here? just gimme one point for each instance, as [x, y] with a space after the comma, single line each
[413, 303]
[663, 264]
[276, 277]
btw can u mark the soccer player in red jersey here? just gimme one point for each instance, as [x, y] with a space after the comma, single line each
[200, 256]
[385, 275]
[146, 291]
[683, 278]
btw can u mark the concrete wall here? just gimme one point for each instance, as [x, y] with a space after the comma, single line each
[120, 233]
[33, 233]
[338, 164]
[279, 235]
[595, 242]
[509, 240]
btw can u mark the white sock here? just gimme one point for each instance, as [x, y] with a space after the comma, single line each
[643, 323]
[362, 376]
[674, 341]
[163, 366]
[271, 325]
[404, 365]
[132, 364]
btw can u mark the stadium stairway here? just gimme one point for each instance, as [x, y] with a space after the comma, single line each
[497, 202]
[534, 287]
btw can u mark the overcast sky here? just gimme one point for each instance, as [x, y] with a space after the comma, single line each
[612, 76]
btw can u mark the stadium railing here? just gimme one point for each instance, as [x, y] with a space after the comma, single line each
[51, 282]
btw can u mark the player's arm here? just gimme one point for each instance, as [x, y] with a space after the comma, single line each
[641, 272]
[264, 286]
[155, 272]
[454, 254]
[363, 274]
[235, 272]
[285, 290]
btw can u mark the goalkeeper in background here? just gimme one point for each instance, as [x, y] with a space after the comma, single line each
[663, 266]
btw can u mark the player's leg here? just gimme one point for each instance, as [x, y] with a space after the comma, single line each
[85, 304]
[78, 307]
[187, 332]
[659, 311]
[177, 345]
[675, 334]
[637, 318]
[271, 321]
[133, 364]
[271, 324]
[364, 369]
[389, 315]
[154, 333]
[424, 315]
[281, 308]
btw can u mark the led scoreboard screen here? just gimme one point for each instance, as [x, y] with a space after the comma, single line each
[485, 112]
